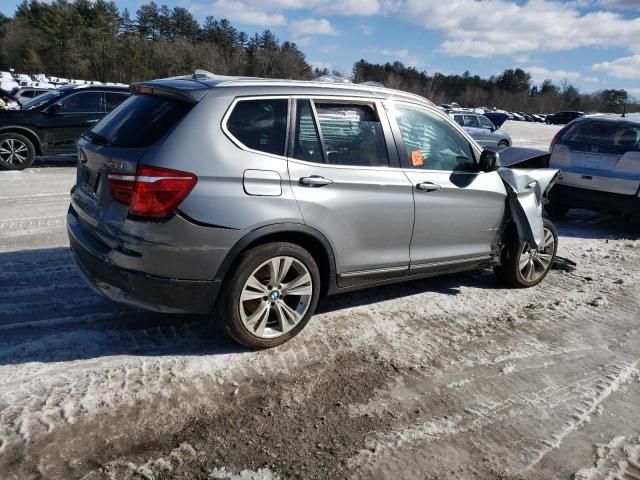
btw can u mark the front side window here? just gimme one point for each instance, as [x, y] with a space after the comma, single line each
[352, 135]
[260, 124]
[86, 102]
[431, 143]
[485, 123]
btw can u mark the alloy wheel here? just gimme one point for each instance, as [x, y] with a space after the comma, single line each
[13, 152]
[276, 297]
[533, 264]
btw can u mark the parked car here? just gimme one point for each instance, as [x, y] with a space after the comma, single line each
[50, 123]
[482, 129]
[27, 93]
[562, 118]
[252, 198]
[599, 158]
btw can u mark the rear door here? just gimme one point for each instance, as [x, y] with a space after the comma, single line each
[71, 116]
[340, 166]
[458, 210]
[600, 155]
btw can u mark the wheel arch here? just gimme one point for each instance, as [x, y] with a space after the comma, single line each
[27, 132]
[307, 237]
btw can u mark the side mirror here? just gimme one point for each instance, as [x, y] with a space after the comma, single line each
[55, 108]
[489, 161]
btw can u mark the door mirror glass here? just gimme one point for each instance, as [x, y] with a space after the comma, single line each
[489, 161]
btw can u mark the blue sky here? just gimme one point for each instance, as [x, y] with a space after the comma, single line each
[594, 44]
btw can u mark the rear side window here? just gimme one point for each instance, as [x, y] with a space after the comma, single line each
[260, 124]
[140, 121]
[352, 135]
[603, 137]
[306, 145]
[471, 121]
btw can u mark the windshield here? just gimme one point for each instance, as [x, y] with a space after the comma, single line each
[41, 99]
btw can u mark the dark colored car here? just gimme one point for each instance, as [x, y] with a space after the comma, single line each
[562, 118]
[50, 123]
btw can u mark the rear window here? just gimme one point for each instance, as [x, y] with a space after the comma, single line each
[260, 124]
[603, 137]
[140, 121]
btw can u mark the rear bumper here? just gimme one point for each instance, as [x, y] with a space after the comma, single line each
[137, 289]
[606, 202]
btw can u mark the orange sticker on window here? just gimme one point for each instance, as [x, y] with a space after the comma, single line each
[417, 160]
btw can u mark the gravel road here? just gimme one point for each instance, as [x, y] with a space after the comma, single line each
[451, 377]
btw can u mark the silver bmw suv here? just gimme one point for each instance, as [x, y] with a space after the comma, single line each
[249, 199]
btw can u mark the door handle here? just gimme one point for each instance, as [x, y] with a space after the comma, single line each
[315, 181]
[428, 187]
[93, 121]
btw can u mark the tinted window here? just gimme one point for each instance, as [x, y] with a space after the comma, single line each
[306, 145]
[603, 137]
[41, 99]
[459, 120]
[431, 142]
[85, 102]
[140, 121]
[112, 100]
[352, 135]
[485, 122]
[27, 93]
[260, 124]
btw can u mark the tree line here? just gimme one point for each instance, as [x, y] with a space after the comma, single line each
[512, 90]
[94, 40]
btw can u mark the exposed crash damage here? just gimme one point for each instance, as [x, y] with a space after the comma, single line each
[527, 183]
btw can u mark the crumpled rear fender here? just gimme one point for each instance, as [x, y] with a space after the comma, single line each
[526, 189]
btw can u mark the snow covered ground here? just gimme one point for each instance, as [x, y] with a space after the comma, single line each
[452, 377]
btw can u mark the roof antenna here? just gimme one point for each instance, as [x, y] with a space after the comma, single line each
[199, 73]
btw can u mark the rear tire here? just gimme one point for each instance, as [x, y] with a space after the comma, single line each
[16, 151]
[522, 267]
[556, 210]
[270, 296]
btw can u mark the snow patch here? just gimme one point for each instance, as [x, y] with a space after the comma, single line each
[260, 474]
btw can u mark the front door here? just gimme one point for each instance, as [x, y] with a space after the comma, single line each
[69, 117]
[458, 209]
[339, 166]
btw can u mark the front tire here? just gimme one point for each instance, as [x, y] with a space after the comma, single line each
[16, 151]
[270, 296]
[503, 143]
[523, 267]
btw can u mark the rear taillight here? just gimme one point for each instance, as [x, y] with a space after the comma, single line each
[152, 192]
[556, 137]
